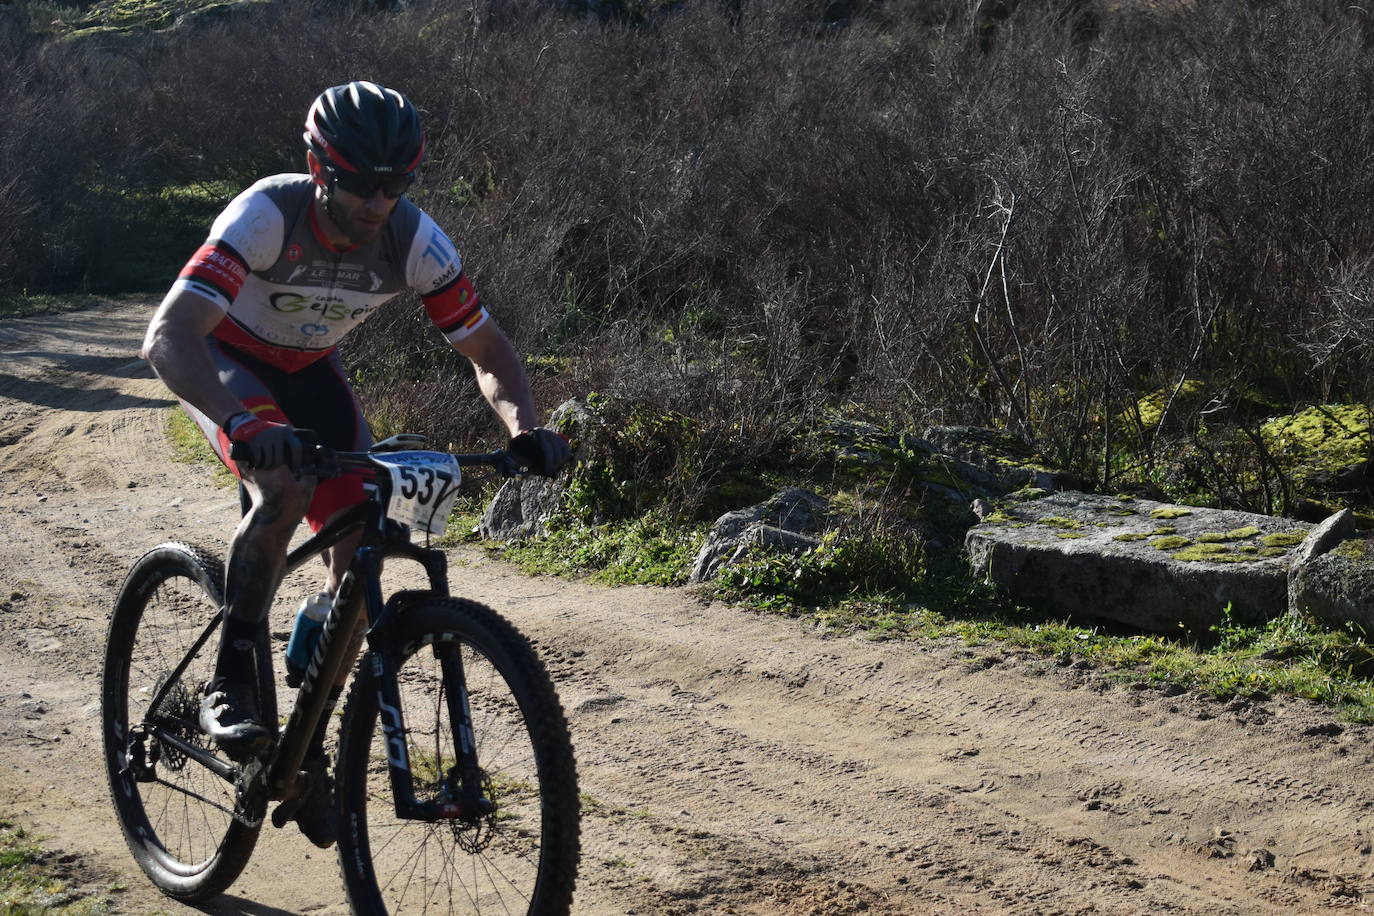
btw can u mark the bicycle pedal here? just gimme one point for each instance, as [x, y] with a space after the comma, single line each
[286, 810]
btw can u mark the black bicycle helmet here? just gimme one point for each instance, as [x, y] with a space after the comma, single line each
[364, 128]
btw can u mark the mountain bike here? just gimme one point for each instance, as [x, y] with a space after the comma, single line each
[456, 786]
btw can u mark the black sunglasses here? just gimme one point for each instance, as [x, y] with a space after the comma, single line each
[365, 184]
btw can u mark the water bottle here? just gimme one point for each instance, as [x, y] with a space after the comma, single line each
[304, 635]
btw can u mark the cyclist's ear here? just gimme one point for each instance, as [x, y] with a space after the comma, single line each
[316, 168]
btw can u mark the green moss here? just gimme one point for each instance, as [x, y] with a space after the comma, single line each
[1272, 551]
[1026, 494]
[1327, 437]
[1170, 512]
[1171, 543]
[1132, 536]
[1235, 534]
[1070, 535]
[1284, 538]
[1212, 553]
[1164, 529]
[1059, 521]
[1151, 407]
[1352, 549]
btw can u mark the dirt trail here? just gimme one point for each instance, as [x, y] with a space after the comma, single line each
[733, 763]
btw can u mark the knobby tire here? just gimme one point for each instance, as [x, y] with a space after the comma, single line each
[522, 858]
[178, 820]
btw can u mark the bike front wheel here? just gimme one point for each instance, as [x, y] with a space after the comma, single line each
[519, 858]
[178, 816]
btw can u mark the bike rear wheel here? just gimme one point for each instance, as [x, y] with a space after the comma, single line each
[522, 857]
[178, 816]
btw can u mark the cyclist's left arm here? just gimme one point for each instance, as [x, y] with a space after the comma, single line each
[500, 376]
[435, 271]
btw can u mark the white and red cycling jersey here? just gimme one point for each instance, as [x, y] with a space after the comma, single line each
[289, 296]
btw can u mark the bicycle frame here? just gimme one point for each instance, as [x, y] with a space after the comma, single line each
[382, 540]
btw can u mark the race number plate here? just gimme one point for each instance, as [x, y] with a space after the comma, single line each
[424, 486]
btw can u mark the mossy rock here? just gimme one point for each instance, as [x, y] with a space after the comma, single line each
[1151, 407]
[1322, 443]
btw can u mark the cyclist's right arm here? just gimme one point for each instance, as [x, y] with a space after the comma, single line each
[175, 347]
[247, 234]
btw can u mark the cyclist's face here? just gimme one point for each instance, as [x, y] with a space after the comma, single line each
[361, 218]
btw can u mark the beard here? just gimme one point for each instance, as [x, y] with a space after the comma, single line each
[358, 233]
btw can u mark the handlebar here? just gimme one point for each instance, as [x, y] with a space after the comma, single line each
[322, 461]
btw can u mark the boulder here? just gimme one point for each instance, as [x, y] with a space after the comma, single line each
[523, 505]
[1148, 565]
[995, 461]
[789, 521]
[1333, 579]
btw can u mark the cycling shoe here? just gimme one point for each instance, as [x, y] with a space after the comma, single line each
[229, 715]
[315, 816]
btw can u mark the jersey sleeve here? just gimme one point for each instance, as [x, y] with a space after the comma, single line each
[246, 236]
[436, 272]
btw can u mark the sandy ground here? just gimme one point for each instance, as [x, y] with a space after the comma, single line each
[733, 763]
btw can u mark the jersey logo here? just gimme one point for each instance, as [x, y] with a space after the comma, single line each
[293, 253]
[438, 249]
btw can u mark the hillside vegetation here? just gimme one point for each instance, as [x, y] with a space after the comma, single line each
[1133, 235]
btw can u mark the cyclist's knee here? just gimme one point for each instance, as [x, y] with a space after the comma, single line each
[279, 498]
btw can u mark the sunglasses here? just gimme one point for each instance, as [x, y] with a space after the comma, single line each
[365, 185]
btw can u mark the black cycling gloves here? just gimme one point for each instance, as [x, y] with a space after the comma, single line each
[261, 443]
[541, 450]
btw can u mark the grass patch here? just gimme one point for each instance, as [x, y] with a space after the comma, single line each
[644, 551]
[1293, 655]
[32, 882]
[189, 447]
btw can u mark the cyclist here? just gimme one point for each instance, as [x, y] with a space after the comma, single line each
[246, 340]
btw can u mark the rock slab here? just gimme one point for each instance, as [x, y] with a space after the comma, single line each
[1147, 565]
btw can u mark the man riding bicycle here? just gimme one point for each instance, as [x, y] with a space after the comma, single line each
[246, 339]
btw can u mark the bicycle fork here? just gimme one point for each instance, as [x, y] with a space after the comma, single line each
[461, 793]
